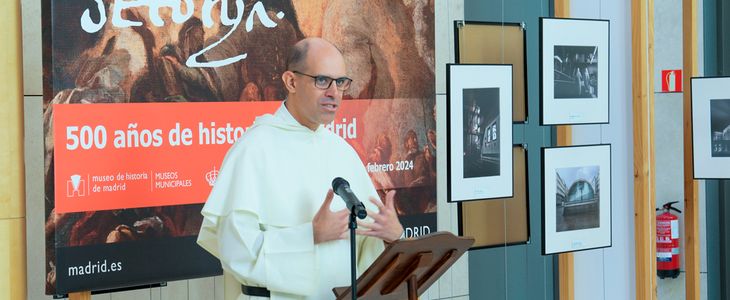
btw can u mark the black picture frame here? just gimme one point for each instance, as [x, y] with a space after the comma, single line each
[578, 231]
[481, 168]
[566, 96]
[710, 111]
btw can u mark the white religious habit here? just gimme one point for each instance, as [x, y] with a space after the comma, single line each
[258, 217]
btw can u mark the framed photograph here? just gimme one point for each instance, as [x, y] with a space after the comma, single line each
[504, 221]
[479, 131]
[711, 127]
[479, 42]
[574, 71]
[576, 206]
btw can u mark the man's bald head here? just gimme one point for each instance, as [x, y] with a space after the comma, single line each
[312, 69]
[298, 54]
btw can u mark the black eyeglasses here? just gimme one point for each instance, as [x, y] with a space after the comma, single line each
[324, 82]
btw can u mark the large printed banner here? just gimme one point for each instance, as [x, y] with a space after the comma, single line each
[142, 99]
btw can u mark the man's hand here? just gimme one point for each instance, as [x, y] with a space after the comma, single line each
[329, 225]
[385, 225]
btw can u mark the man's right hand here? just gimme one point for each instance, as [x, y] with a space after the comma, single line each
[329, 225]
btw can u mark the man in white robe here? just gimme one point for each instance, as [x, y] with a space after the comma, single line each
[271, 218]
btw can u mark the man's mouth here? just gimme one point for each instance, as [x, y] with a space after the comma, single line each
[329, 106]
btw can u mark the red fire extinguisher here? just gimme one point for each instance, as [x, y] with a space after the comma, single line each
[667, 242]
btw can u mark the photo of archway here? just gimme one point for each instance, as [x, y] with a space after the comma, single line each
[576, 208]
[577, 198]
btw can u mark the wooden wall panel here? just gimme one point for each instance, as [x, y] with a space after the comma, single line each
[691, 200]
[11, 114]
[12, 189]
[643, 120]
[12, 259]
[565, 138]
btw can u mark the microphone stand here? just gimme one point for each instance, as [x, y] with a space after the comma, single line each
[353, 270]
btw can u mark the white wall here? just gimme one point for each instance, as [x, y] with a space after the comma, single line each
[611, 270]
[609, 273]
[668, 113]
[453, 285]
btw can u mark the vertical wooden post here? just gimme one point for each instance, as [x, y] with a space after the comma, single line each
[565, 260]
[642, 40]
[12, 186]
[565, 138]
[691, 201]
[79, 296]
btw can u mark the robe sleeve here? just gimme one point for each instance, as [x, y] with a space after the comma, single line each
[280, 259]
[369, 250]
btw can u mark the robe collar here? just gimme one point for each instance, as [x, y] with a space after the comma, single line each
[285, 116]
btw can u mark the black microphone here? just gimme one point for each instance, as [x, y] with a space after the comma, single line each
[342, 189]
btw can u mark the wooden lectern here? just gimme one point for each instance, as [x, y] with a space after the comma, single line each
[407, 268]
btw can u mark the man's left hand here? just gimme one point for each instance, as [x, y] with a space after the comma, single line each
[385, 225]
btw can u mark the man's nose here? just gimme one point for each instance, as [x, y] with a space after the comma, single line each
[332, 90]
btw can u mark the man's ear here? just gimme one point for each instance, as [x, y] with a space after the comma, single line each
[288, 78]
